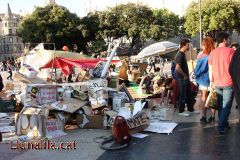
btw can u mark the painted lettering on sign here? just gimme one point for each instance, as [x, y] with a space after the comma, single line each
[138, 121]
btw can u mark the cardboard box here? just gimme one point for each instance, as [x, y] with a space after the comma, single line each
[26, 123]
[95, 121]
[42, 94]
[38, 125]
[53, 128]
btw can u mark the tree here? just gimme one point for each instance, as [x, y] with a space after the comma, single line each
[137, 23]
[131, 21]
[166, 24]
[51, 24]
[217, 15]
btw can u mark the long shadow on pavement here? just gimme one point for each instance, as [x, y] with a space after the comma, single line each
[189, 141]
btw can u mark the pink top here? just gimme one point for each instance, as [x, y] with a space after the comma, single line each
[220, 59]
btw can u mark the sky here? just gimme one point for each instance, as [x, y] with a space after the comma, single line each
[81, 7]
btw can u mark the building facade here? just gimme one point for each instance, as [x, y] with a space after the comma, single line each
[11, 46]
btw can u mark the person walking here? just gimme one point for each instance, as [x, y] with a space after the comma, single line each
[1, 83]
[202, 77]
[9, 69]
[220, 79]
[185, 96]
[234, 72]
[152, 64]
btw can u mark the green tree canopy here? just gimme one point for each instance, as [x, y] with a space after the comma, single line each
[166, 24]
[51, 24]
[217, 15]
[137, 22]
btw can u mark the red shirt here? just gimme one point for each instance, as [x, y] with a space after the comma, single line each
[220, 59]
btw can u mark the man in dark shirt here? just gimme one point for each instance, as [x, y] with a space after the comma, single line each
[1, 83]
[234, 72]
[182, 72]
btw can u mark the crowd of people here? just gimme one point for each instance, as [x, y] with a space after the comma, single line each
[216, 70]
[10, 66]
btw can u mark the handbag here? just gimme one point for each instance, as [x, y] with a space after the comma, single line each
[212, 100]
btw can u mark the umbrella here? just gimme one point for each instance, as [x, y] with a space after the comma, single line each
[159, 48]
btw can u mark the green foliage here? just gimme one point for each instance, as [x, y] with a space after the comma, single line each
[217, 15]
[137, 23]
[166, 24]
[98, 46]
[51, 24]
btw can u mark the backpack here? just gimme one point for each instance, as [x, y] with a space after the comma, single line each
[173, 70]
[121, 131]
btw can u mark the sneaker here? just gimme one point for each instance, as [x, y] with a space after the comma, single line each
[211, 120]
[203, 120]
[194, 111]
[224, 131]
[186, 114]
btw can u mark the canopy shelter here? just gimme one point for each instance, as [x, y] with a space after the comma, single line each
[63, 60]
[159, 48]
[67, 64]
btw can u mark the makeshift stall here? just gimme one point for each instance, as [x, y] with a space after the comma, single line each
[92, 103]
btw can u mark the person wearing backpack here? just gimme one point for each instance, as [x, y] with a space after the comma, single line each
[1, 83]
[202, 77]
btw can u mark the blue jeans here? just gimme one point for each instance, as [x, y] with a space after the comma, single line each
[225, 98]
[185, 95]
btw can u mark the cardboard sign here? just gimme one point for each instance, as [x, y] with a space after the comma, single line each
[138, 123]
[53, 125]
[48, 94]
[97, 94]
[158, 114]
[54, 128]
[42, 94]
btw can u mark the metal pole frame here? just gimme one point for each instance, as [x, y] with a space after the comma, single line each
[200, 21]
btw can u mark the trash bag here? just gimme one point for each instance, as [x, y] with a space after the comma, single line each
[212, 100]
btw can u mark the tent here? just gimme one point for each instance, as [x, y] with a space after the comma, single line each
[159, 48]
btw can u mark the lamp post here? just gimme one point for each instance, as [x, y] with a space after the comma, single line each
[200, 22]
[4, 51]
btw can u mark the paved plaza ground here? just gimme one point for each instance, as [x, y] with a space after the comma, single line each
[190, 140]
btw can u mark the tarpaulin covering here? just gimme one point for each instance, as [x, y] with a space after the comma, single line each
[67, 64]
[59, 59]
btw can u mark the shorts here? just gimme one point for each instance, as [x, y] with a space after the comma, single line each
[204, 88]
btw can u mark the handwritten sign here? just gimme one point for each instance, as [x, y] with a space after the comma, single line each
[42, 94]
[48, 94]
[139, 120]
[97, 93]
[54, 128]
[158, 114]
[161, 127]
[53, 125]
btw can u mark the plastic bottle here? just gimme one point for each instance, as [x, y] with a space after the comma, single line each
[105, 121]
[27, 137]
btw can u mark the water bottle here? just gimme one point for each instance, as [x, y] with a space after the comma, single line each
[105, 121]
[27, 137]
